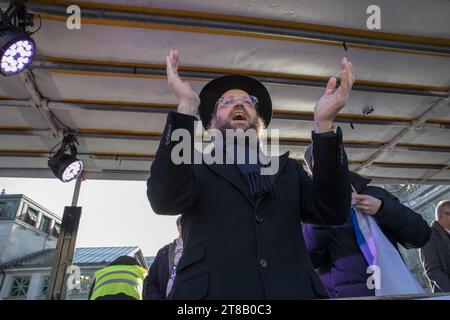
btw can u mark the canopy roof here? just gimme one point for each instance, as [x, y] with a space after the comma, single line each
[106, 82]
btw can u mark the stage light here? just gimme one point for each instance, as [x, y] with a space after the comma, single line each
[64, 163]
[17, 49]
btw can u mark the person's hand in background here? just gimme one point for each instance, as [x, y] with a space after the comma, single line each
[366, 204]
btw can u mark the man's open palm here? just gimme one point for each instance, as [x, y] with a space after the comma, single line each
[188, 100]
[334, 99]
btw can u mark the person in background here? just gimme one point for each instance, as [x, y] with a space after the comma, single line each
[338, 252]
[122, 279]
[435, 255]
[159, 281]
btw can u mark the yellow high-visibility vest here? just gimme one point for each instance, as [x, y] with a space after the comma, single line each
[126, 279]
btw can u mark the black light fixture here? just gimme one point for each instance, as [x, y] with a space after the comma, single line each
[64, 163]
[17, 49]
[368, 109]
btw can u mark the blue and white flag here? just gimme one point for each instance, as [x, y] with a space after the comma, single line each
[395, 278]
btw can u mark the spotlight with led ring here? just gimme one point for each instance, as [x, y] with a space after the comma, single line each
[64, 163]
[17, 48]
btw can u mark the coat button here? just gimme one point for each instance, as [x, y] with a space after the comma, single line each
[259, 219]
[263, 263]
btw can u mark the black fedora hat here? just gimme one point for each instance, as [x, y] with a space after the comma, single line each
[214, 89]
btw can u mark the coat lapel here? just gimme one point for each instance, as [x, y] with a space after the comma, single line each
[281, 163]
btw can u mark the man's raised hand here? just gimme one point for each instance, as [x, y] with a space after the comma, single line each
[334, 99]
[188, 100]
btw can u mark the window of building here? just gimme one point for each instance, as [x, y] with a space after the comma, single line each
[7, 209]
[85, 285]
[44, 285]
[56, 229]
[45, 224]
[2, 209]
[30, 216]
[19, 287]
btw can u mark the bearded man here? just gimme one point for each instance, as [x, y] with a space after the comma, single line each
[242, 228]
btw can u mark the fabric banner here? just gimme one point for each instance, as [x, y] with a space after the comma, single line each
[395, 278]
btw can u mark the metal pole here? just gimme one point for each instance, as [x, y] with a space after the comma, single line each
[163, 109]
[38, 103]
[65, 248]
[206, 75]
[76, 192]
[206, 22]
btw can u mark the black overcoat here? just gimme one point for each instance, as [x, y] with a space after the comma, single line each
[239, 247]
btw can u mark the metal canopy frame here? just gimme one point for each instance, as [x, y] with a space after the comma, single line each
[179, 21]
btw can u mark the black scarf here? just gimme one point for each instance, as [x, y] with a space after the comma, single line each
[258, 184]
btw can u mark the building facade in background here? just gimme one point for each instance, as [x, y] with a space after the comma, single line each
[25, 227]
[28, 277]
[28, 238]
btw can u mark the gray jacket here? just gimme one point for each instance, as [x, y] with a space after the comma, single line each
[435, 257]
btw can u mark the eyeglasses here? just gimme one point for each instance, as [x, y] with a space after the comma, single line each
[229, 101]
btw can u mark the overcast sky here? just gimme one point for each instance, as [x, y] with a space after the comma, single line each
[115, 213]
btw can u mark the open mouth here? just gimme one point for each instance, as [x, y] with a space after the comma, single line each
[239, 116]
